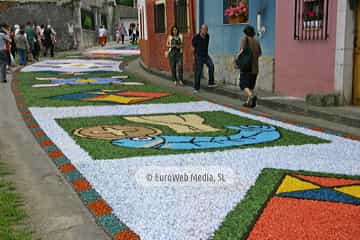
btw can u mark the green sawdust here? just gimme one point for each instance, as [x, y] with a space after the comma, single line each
[12, 215]
[40, 97]
[238, 223]
[103, 149]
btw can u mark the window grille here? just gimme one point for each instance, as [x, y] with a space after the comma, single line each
[311, 20]
[181, 15]
[159, 17]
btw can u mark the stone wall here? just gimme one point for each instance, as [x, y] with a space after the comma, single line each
[57, 16]
[90, 39]
[225, 73]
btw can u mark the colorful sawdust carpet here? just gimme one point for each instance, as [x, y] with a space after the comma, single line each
[73, 66]
[196, 212]
[55, 82]
[112, 96]
[311, 207]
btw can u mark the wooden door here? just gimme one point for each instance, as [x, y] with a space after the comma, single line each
[356, 83]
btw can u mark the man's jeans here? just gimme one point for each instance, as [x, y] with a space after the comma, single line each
[22, 56]
[3, 63]
[199, 63]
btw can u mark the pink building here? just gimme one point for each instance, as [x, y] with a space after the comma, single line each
[314, 48]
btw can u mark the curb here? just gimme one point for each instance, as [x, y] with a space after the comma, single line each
[93, 201]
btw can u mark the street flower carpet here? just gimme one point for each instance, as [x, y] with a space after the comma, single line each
[151, 163]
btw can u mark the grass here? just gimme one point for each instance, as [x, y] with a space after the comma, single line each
[40, 97]
[238, 223]
[103, 149]
[12, 215]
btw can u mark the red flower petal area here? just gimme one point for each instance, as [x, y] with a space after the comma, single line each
[294, 219]
[328, 182]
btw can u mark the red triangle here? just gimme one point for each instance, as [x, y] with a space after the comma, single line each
[327, 181]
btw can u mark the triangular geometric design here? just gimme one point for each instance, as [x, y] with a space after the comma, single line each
[292, 184]
[323, 194]
[116, 99]
[328, 182]
[142, 94]
[350, 190]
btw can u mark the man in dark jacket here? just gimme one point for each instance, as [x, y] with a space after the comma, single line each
[200, 44]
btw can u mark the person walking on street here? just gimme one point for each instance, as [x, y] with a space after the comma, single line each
[200, 44]
[4, 38]
[248, 77]
[30, 34]
[22, 46]
[175, 54]
[49, 40]
[102, 36]
[13, 43]
[120, 34]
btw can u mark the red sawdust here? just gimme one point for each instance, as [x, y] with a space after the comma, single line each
[99, 207]
[352, 137]
[317, 129]
[294, 219]
[33, 125]
[55, 154]
[67, 168]
[126, 235]
[81, 185]
[39, 134]
[28, 118]
[46, 143]
[328, 182]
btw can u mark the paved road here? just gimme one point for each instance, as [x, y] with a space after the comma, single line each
[56, 212]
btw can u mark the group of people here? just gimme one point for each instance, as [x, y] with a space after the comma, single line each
[200, 46]
[120, 34]
[20, 40]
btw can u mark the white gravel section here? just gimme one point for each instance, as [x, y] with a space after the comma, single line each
[64, 65]
[168, 213]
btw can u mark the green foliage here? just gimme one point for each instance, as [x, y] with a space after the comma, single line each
[11, 213]
[125, 2]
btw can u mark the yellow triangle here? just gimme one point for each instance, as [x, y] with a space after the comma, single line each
[116, 99]
[86, 81]
[291, 184]
[350, 190]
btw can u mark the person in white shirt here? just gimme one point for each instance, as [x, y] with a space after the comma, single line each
[102, 36]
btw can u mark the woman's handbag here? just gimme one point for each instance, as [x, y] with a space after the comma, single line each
[166, 53]
[244, 60]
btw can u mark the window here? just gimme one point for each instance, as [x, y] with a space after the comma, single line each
[236, 11]
[181, 15]
[87, 20]
[159, 16]
[311, 19]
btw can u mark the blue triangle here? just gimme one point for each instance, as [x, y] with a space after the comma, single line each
[322, 194]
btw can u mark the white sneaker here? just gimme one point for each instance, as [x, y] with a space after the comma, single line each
[212, 85]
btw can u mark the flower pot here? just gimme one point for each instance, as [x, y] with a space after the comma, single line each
[236, 19]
